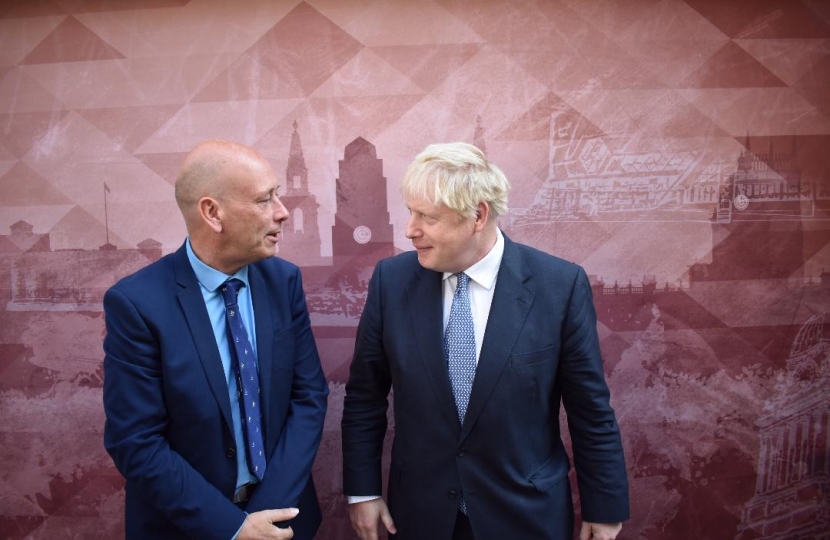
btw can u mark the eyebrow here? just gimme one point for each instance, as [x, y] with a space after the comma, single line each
[268, 192]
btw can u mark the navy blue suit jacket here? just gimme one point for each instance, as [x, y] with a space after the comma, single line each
[540, 349]
[169, 428]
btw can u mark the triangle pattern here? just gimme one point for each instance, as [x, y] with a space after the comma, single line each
[499, 101]
[24, 187]
[305, 47]
[21, 93]
[130, 126]
[409, 23]
[761, 111]
[534, 124]
[762, 19]
[788, 59]
[671, 61]
[731, 67]
[813, 85]
[664, 113]
[365, 117]
[366, 74]
[95, 6]
[248, 79]
[19, 9]
[164, 165]
[820, 8]
[79, 229]
[614, 18]
[428, 65]
[333, 122]
[244, 121]
[71, 42]
[20, 131]
[669, 20]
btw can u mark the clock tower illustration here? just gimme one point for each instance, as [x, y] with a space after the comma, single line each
[362, 226]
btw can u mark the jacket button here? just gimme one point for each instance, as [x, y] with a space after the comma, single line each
[231, 452]
[461, 452]
[452, 494]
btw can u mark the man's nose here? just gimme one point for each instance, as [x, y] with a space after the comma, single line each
[411, 229]
[280, 212]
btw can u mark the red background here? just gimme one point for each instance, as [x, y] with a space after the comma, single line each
[678, 150]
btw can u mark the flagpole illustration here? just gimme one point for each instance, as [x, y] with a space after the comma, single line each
[106, 215]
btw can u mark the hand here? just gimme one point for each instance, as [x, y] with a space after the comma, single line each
[599, 531]
[365, 516]
[260, 525]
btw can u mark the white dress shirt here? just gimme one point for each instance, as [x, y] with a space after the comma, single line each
[481, 286]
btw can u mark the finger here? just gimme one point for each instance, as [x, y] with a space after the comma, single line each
[386, 518]
[281, 514]
[585, 531]
[284, 534]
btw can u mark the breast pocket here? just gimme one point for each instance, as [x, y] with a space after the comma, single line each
[534, 358]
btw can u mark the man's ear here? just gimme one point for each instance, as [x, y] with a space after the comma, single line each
[210, 213]
[482, 215]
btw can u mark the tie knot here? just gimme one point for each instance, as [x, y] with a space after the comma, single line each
[463, 279]
[230, 289]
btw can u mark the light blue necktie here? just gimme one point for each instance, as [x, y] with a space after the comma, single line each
[460, 349]
[247, 378]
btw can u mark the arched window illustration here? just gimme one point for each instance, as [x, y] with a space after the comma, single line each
[298, 220]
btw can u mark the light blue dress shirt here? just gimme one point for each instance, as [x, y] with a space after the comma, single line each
[210, 280]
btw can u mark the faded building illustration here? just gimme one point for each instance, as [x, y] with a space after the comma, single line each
[791, 498]
[300, 237]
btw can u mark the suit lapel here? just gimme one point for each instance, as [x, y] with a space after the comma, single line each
[426, 310]
[198, 320]
[264, 335]
[511, 304]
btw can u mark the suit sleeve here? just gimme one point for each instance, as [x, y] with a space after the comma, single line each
[137, 419]
[289, 466]
[364, 408]
[595, 436]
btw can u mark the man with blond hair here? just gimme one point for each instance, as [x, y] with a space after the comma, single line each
[481, 339]
[213, 390]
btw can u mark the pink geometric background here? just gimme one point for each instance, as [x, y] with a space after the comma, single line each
[678, 149]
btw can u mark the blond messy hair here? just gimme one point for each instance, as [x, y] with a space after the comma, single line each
[459, 176]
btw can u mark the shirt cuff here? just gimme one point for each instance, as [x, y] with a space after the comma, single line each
[361, 498]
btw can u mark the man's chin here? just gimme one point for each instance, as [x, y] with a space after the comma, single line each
[425, 261]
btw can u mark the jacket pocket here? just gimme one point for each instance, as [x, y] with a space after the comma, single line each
[551, 473]
[533, 357]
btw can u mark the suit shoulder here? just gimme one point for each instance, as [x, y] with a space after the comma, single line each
[402, 261]
[537, 258]
[401, 267]
[155, 273]
[277, 265]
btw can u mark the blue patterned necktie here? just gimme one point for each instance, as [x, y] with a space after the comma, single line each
[460, 349]
[460, 346]
[247, 378]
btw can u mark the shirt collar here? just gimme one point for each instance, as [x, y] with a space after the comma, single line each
[484, 272]
[211, 278]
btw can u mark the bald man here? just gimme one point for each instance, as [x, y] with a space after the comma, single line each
[213, 391]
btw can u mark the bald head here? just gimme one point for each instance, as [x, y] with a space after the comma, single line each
[206, 172]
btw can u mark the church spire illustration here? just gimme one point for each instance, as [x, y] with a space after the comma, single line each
[300, 239]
